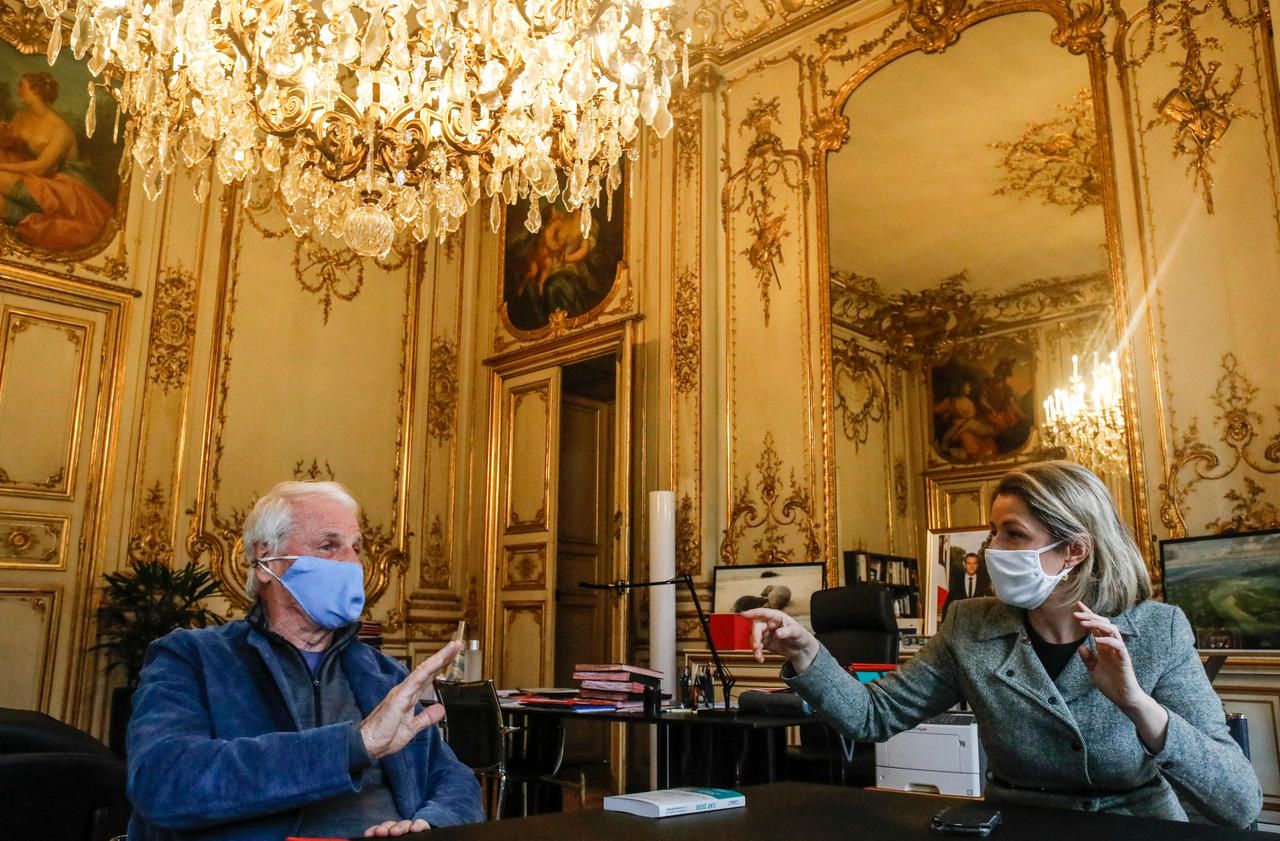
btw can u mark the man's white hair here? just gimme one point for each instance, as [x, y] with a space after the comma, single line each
[271, 519]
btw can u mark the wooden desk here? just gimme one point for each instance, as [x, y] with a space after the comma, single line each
[682, 762]
[830, 813]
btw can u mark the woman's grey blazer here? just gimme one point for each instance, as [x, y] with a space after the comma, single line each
[1058, 743]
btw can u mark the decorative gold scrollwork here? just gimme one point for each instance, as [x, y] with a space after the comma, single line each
[937, 22]
[328, 273]
[1234, 396]
[1080, 27]
[686, 332]
[26, 28]
[151, 541]
[750, 193]
[859, 390]
[435, 560]
[688, 545]
[173, 329]
[442, 403]
[1056, 160]
[771, 516]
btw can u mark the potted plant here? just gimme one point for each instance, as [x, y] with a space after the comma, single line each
[140, 604]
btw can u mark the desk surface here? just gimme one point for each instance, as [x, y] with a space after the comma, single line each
[703, 718]
[830, 813]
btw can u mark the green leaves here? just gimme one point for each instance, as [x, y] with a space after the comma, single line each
[146, 601]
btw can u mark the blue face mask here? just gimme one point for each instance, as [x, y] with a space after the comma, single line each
[330, 592]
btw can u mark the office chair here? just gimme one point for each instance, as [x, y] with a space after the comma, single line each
[69, 785]
[857, 625]
[475, 730]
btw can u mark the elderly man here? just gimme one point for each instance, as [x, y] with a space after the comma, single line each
[283, 724]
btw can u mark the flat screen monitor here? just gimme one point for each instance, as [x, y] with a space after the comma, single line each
[1229, 587]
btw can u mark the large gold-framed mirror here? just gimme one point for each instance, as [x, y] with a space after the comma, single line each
[971, 251]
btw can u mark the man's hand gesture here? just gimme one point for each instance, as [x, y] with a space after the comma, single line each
[392, 724]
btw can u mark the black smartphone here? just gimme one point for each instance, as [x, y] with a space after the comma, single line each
[971, 819]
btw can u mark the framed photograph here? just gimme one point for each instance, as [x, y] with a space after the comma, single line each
[1229, 587]
[63, 202]
[556, 271]
[954, 555]
[983, 401]
[785, 587]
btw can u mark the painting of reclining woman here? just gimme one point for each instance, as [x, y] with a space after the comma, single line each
[58, 187]
[983, 402]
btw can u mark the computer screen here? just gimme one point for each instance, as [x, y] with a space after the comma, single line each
[1229, 587]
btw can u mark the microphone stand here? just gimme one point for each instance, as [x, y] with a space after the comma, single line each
[723, 675]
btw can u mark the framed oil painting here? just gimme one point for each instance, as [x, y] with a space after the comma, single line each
[785, 587]
[951, 554]
[557, 273]
[1229, 587]
[60, 192]
[983, 400]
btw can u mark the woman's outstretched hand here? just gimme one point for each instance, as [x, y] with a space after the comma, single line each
[775, 631]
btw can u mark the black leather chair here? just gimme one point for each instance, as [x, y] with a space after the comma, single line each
[475, 730]
[59, 784]
[857, 625]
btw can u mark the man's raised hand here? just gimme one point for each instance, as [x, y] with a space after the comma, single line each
[393, 724]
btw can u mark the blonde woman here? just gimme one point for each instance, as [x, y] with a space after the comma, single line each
[1088, 694]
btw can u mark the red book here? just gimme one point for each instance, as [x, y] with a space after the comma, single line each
[614, 685]
[638, 671]
[612, 696]
[617, 677]
[587, 704]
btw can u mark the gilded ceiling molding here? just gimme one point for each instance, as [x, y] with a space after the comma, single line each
[173, 329]
[26, 28]
[151, 541]
[859, 390]
[750, 194]
[686, 333]
[1056, 160]
[936, 22]
[1199, 108]
[442, 398]
[1196, 459]
[771, 517]
[926, 325]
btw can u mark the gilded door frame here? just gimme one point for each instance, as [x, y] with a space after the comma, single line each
[113, 304]
[618, 338]
[1080, 31]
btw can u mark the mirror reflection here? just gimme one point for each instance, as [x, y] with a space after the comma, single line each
[969, 263]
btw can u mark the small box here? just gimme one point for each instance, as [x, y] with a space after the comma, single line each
[730, 631]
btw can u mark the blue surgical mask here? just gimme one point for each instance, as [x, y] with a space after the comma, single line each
[1018, 578]
[330, 592]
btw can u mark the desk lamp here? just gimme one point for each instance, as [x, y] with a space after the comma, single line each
[723, 675]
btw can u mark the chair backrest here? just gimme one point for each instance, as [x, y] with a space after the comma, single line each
[58, 796]
[473, 722]
[856, 624]
[27, 731]
[1238, 727]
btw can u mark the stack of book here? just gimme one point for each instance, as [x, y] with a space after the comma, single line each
[617, 683]
[370, 634]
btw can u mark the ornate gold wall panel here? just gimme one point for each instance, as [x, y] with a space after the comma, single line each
[529, 459]
[44, 377]
[36, 541]
[770, 299]
[524, 566]
[280, 395]
[30, 618]
[520, 666]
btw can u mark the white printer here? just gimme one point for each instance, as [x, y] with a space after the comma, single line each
[940, 756]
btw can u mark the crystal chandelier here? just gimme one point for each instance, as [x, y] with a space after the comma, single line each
[1088, 421]
[377, 117]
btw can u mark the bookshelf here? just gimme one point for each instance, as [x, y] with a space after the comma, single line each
[900, 572]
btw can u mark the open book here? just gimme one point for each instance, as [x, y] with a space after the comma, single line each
[675, 801]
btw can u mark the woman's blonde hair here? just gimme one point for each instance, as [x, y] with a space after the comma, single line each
[1073, 505]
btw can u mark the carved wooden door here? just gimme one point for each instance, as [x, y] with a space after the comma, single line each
[527, 464]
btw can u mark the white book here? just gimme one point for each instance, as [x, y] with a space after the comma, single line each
[675, 801]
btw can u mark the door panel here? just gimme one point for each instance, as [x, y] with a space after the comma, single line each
[58, 353]
[529, 438]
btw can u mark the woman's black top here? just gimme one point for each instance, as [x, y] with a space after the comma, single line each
[1054, 656]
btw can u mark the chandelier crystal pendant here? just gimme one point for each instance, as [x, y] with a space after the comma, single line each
[379, 117]
[1087, 421]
